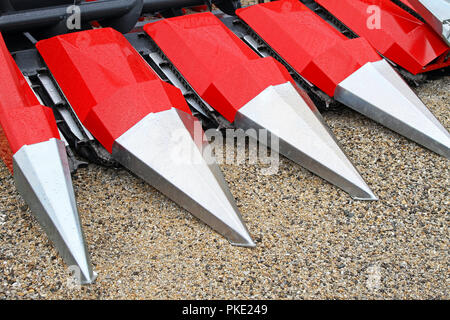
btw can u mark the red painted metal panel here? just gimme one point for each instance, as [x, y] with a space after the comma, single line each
[317, 51]
[408, 4]
[107, 82]
[401, 37]
[221, 68]
[23, 120]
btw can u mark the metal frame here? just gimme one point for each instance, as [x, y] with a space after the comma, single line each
[119, 14]
[122, 15]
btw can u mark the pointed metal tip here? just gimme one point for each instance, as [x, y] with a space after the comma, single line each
[369, 197]
[42, 176]
[88, 278]
[244, 245]
[246, 241]
[295, 128]
[168, 151]
[378, 92]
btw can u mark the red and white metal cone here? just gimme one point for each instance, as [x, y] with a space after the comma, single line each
[32, 149]
[347, 69]
[254, 93]
[303, 136]
[436, 13]
[42, 176]
[393, 32]
[143, 122]
[195, 182]
[377, 91]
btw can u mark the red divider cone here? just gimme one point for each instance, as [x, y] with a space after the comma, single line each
[349, 70]
[32, 150]
[254, 93]
[143, 122]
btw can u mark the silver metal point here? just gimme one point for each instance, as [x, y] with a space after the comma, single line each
[161, 150]
[437, 14]
[378, 92]
[42, 176]
[303, 136]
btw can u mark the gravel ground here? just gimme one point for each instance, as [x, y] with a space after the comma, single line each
[313, 241]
